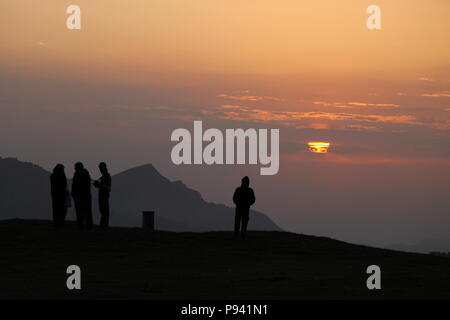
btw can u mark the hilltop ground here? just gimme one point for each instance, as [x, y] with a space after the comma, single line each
[133, 263]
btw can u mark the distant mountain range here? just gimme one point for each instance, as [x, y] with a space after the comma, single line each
[25, 193]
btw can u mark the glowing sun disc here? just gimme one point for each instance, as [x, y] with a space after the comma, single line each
[318, 147]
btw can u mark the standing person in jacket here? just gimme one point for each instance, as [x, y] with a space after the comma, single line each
[243, 198]
[104, 189]
[81, 194]
[58, 186]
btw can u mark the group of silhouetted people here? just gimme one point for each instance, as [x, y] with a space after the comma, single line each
[243, 198]
[81, 194]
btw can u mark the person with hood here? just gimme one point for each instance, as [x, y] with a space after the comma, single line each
[81, 194]
[243, 198]
[104, 188]
[58, 186]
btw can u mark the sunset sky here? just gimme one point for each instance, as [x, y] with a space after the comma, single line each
[116, 89]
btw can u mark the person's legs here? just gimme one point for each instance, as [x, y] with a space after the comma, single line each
[101, 208]
[63, 214]
[237, 223]
[107, 212]
[245, 218]
[103, 203]
[55, 213]
[59, 214]
[79, 212]
[88, 214]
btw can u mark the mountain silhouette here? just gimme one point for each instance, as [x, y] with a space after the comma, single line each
[25, 193]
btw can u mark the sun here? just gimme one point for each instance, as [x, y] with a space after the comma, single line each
[318, 147]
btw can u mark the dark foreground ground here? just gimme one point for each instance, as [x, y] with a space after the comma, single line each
[132, 263]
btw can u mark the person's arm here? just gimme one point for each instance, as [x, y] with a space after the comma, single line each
[88, 181]
[252, 197]
[235, 196]
[103, 183]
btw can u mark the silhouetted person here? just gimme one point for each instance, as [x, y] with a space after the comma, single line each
[81, 193]
[58, 185]
[104, 188]
[243, 198]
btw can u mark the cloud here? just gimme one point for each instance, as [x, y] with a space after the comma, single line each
[246, 97]
[365, 104]
[324, 103]
[425, 79]
[246, 113]
[437, 95]
[366, 159]
[360, 127]
[328, 120]
[318, 120]
[228, 106]
[353, 105]
[334, 104]
[319, 126]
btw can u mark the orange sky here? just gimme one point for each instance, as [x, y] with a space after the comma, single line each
[300, 64]
[298, 56]
[128, 41]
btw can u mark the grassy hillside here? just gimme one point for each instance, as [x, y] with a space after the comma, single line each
[132, 263]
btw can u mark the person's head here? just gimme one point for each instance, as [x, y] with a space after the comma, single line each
[245, 182]
[103, 168]
[58, 169]
[79, 166]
